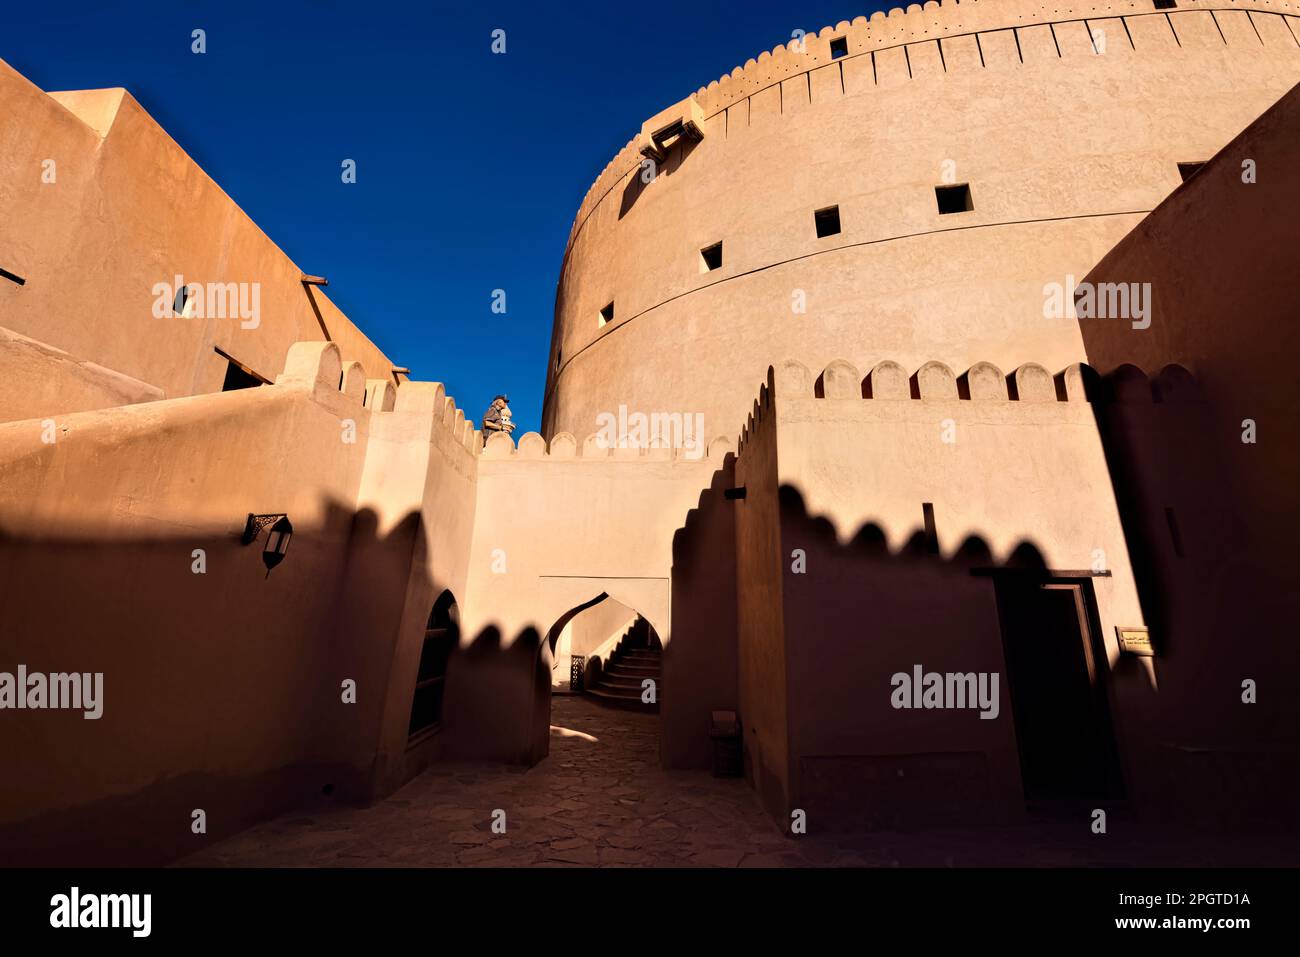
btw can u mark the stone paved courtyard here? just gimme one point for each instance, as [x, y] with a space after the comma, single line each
[601, 799]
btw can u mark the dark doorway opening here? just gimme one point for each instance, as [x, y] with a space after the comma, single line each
[1057, 670]
[441, 635]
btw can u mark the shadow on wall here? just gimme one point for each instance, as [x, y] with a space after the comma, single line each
[699, 663]
[490, 706]
[1069, 725]
[1217, 601]
[223, 688]
[499, 698]
[857, 615]
[646, 173]
[1205, 471]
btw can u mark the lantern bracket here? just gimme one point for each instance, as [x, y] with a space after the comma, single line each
[253, 527]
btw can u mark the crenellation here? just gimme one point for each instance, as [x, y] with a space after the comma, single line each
[531, 446]
[313, 366]
[982, 382]
[421, 398]
[840, 380]
[352, 382]
[563, 446]
[934, 380]
[1076, 383]
[792, 377]
[499, 446]
[889, 381]
[380, 395]
[1031, 383]
[1129, 385]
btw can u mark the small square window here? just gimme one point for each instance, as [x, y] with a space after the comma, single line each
[1164, 4]
[711, 258]
[827, 221]
[953, 199]
[839, 47]
[606, 316]
[1188, 170]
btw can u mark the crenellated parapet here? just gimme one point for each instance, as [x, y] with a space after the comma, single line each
[317, 367]
[983, 382]
[937, 38]
[565, 446]
[933, 381]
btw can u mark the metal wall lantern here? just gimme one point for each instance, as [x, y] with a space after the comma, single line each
[277, 540]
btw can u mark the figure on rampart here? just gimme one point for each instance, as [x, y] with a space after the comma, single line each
[497, 418]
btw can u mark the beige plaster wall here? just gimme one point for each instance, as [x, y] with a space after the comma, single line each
[603, 625]
[30, 367]
[853, 473]
[222, 689]
[700, 666]
[1030, 471]
[1219, 254]
[556, 527]
[762, 648]
[129, 209]
[1064, 149]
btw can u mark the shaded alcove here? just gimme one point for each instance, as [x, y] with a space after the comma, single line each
[441, 635]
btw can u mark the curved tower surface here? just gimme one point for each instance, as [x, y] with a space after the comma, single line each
[973, 155]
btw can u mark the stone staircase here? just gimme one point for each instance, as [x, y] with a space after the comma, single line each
[636, 658]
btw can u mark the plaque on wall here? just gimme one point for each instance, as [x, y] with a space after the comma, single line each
[1134, 641]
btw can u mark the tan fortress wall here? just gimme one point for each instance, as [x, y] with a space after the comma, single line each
[700, 666]
[1001, 475]
[556, 527]
[128, 209]
[1065, 149]
[1199, 416]
[762, 650]
[223, 685]
[1020, 476]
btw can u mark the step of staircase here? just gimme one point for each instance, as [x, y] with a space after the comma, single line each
[621, 681]
[633, 671]
[631, 702]
[625, 681]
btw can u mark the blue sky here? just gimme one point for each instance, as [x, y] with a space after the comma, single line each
[470, 165]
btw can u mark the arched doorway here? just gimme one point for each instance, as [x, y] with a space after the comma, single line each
[441, 635]
[613, 661]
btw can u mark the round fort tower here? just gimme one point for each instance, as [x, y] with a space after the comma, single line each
[902, 188]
